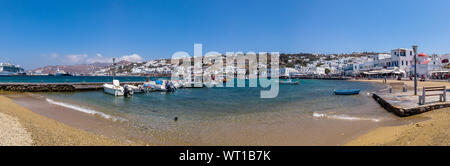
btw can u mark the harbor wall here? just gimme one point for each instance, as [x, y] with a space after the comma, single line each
[55, 87]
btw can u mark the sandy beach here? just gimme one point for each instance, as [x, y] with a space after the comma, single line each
[434, 131]
[24, 127]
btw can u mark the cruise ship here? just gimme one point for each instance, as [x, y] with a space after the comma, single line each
[7, 69]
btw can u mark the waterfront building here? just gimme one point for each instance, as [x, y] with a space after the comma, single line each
[403, 58]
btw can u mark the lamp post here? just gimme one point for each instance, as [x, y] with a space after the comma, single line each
[114, 64]
[415, 68]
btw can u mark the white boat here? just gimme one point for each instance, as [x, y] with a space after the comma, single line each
[289, 82]
[149, 86]
[178, 84]
[162, 87]
[137, 89]
[114, 89]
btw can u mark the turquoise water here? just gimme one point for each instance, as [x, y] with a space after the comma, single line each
[196, 103]
[238, 116]
[202, 103]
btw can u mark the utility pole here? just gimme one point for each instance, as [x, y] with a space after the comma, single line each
[114, 64]
[415, 68]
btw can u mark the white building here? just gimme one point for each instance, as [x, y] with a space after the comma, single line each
[402, 58]
[288, 71]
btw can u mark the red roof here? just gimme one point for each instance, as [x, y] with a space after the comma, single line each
[423, 54]
[425, 61]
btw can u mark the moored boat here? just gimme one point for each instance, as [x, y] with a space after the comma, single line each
[290, 82]
[114, 89]
[347, 92]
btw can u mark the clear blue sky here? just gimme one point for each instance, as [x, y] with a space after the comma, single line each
[40, 32]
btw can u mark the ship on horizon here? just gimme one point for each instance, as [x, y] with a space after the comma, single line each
[7, 69]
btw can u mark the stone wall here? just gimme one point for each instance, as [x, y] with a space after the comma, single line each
[54, 87]
[37, 87]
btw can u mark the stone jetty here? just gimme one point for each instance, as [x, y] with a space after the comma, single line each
[404, 108]
[55, 87]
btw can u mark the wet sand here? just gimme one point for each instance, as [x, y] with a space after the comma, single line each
[434, 131]
[49, 132]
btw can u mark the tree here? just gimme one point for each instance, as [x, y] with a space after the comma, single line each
[327, 71]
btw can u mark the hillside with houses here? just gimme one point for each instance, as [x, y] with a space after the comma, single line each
[398, 62]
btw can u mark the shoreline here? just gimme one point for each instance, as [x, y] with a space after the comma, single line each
[435, 130]
[288, 127]
[46, 131]
[97, 130]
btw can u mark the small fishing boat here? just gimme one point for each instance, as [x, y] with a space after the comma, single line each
[290, 82]
[149, 86]
[114, 89]
[137, 89]
[347, 92]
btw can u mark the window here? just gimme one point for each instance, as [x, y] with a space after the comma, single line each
[406, 63]
[410, 53]
[402, 63]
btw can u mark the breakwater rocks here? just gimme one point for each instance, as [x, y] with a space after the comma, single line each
[404, 112]
[54, 87]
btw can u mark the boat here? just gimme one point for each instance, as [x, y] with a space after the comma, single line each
[137, 89]
[160, 85]
[7, 69]
[128, 90]
[170, 87]
[149, 86]
[290, 82]
[114, 89]
[347, 92]
[61, 73]
[178, 84]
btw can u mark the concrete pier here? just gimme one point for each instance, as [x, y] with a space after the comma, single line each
[408, 111]
[55, 87]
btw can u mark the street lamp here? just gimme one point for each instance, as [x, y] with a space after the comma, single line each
[415, 68]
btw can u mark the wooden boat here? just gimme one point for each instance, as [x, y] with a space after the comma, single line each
[347, 92]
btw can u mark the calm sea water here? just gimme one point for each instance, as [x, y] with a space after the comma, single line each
[215, 116]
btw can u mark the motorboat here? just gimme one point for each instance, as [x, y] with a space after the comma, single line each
[178, 84]
[137, 89]
[149, 86]
[347, 92]
[114, 89]
[289, 82]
